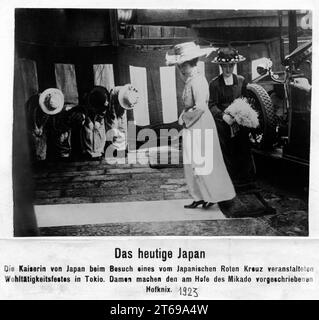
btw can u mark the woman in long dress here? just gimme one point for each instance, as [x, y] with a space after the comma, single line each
[208, 182]
[235, 144]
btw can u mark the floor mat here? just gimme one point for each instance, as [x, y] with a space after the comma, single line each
[229, 227]
[247, 204]
[122, 212]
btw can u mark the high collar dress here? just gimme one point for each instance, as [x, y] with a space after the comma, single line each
[205, 171]
[236, 150]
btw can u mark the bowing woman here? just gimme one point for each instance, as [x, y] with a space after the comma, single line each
[46, 138]
[209, 184]
[122, 98]
[93, 131]
[234, 140]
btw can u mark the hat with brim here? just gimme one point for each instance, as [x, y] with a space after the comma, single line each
[51, 101]
[128, 96]
[228, 56]
[187, 51]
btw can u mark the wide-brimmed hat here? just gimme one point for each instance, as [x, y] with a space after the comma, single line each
[187, 51]
[128, 96]
[228, 55]
[51, 101]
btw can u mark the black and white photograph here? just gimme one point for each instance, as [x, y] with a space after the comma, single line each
[158, 152]
[161, 122]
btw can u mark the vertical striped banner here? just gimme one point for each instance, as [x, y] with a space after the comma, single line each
[104, 75]
[28, 71]
[66, 82]
[168, 93]
[154, 95]
[138, 79]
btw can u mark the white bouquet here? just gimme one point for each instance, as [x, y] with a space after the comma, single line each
[242, 113]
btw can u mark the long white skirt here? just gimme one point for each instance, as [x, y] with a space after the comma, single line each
[205, 171]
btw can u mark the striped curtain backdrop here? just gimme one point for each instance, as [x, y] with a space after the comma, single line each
[160, 86]
[160, 89]
[104, 75]
[66, 81]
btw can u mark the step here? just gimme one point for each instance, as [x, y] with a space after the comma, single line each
[104, 171]
[143, 196]
[150, 181]
[70, 167]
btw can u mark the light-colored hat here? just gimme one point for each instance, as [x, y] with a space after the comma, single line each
[187, 51]
[228, 55]
[128, 96]
[51, 101]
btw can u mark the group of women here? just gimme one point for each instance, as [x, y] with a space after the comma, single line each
[82, 132]
[87, 130]
[208, 128]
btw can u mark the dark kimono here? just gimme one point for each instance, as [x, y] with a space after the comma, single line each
[58, 130]
[49, 135]
[36, 124]
[88, 133]
[236, 149]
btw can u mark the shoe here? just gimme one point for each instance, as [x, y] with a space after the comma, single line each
[195, 204]
[206, 205]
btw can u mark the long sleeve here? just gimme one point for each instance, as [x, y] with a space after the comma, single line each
[213, 102]
[200, 93]
[195, 98]
[76, 117]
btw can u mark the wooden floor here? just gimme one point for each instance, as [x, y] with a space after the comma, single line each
[81, 183]
[99, 181]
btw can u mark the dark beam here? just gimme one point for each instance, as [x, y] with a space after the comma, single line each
[114, 28]
[186, 17]
[293, 40]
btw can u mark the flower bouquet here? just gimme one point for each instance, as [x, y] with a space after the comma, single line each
[242, 114]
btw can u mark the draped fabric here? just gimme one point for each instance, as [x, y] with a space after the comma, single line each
[29, 76]
[168, 93]
[159, 95]
[139, 81]
[66, 82]
[104, 75]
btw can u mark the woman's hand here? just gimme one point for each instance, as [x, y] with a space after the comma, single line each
[228, 119]
[38, 132]
[97, 125]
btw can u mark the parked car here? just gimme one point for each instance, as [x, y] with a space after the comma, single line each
[284, 111]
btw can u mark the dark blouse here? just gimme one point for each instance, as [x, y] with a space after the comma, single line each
[235, 148]
[221, 95]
